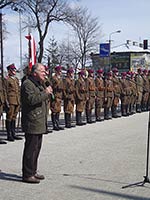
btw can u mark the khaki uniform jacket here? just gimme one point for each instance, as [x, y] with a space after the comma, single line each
[69, 95]
[81, 94]
[100, 87]
[34, 107]
[12, 90]
[57, 85]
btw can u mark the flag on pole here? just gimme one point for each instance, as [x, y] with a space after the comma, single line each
[32, 50]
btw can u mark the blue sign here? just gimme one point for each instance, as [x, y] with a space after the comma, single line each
[104, 50]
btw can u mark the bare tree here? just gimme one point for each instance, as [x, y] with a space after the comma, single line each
[4, 3]
[87, 31]
[41, 13]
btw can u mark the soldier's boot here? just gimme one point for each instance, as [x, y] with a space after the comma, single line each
[13, 125]
[114, 112]
[58, 122]
[70, 121]
[88, 117]
[127, 110]
[8, 129]
[53, 117]
[79, 119]
[2, 142]
[98, 115]
[123, 110]
[138, 108]
[67, 120]
[106, 114]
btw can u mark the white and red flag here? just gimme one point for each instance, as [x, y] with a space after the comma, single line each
[32, 50]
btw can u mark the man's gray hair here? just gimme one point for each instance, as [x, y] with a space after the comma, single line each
[35, 67]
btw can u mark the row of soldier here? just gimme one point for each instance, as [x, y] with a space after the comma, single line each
[86, 94]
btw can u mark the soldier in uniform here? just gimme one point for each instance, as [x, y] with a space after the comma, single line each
[99, 101]
[2, 101]
[117, 92]
[69, 97]
[148, 103]
[81, 97]
[91, 90]
[134, 93]
[139, 84]
[109, 96]
[57, 85]
[12, 89]
[145, 90]
[125, 94]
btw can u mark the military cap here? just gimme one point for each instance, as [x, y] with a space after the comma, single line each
[114, 70]
[70, 71]
[58, 68]
[82, 72]
[90, 71]
[123, 73]
[109, 74]
[145, 71]
[139, 69]
[11, 67]
[100, 71]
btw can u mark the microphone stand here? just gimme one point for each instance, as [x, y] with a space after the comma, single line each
[146, 177]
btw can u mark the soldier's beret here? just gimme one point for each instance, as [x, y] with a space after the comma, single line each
[82, 72]
[145, 71]
[70, 71]
[58, 68]
[109, 73]
[90, 71]
[123, 73]
[100, 71]
[115, 69]
[11, 67]
[139, 70]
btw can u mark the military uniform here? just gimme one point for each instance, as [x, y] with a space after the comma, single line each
[109, 95]
[99, 101]
[81, 97]
[2, 101]
[57, 85]
[12, 89]
[69, 97]
[146, 91]
[125, 94]
[139, 84]
[91, 90]
[117, 92]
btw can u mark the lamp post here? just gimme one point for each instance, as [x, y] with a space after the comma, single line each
[118, 31]
[20, 32]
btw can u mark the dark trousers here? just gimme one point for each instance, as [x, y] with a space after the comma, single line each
[31, 152]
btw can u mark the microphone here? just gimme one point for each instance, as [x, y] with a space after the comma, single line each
[47, 83]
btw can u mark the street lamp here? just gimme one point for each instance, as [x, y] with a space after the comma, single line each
[20, 32]
[118, 31]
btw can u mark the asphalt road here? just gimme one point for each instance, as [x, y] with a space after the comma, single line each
[92, 162]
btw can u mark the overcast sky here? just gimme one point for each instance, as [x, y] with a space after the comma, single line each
[130, 16]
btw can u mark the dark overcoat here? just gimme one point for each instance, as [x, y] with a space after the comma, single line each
[34, 107]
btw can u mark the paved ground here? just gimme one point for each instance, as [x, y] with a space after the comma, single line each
[92, 162]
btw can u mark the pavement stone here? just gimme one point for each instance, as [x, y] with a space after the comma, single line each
[92, 162]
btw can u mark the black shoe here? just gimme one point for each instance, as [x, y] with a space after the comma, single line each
[17, 137]
[39, 176]
[31, 179]
[56, 128]
[3, 142]
[10, 139]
